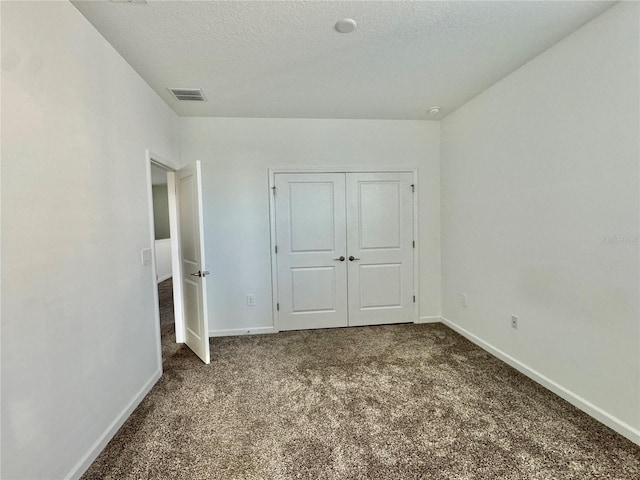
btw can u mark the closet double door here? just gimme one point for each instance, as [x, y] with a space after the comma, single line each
[344, 249]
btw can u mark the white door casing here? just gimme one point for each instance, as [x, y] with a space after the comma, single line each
[193, 273]
[380, 248]
[372, 215]
[311, 239]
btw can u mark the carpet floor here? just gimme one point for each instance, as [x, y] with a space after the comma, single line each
[389, 402]
[165, 302]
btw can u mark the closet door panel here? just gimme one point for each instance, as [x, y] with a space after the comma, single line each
[380, 248]
[311, 239]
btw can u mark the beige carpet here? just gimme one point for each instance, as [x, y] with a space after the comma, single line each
[165, 301]
[393, 402]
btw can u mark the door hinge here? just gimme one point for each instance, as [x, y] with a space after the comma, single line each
[414, 299]
[276, 249]
[274, 190]
[413, 187]
[414, 244]
[278, 306]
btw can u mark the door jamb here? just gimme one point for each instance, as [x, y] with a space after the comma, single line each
[154, 158]
[272, 224]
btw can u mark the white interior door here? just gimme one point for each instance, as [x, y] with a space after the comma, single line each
[311, 250]
[193, 273]
[380, 248]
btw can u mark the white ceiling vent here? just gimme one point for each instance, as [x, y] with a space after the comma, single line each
[188, 94]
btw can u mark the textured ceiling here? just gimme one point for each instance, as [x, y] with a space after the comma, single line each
[285, 59]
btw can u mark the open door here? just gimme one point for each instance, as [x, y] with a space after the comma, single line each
[193, 273]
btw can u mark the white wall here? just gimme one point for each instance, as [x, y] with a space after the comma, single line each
[540, 217]
[160, 210]
[236, 154]
[79, 338]
[164, 269]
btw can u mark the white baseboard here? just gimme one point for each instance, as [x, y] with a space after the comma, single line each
[432, 319]
[164, 277]
[241, 331]
[599, 414]
[86, 461]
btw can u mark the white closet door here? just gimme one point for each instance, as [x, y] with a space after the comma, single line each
[380, 248]
[311, 239]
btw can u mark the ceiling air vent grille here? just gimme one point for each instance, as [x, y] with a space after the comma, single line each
[188, 94]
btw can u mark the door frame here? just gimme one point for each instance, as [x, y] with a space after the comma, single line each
[272, 172]
[176, 269]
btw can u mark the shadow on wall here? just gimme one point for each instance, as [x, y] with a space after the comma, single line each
[161, 211]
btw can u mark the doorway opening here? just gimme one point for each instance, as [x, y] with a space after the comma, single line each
[163, 217]
[178, 260]
[162, 248]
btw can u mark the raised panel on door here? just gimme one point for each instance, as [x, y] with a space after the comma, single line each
[380, 248]
[311, 237]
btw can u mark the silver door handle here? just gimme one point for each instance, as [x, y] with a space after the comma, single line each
[340, 259]
[201, 273]
[352, 258]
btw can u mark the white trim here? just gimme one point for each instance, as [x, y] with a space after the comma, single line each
[416, 249]
[599, 414]
[176, 267]
[427, 319]
[154, 273]
[95, 450]
[341, 169]
[337, 169]
[163, 278]
[241, 331]
[176, 253]
[272, 242]
[160, 161]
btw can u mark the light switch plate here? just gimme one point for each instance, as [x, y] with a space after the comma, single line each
[464, 299]
[146, 256]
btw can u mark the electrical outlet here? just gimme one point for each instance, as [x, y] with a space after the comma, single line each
[463, 299]
[514, 322]
[251, 299]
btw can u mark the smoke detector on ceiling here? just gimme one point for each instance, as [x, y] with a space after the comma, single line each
[346, 25]
[188, 94]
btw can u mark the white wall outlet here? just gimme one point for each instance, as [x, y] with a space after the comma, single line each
[464, 299]
[145, 255]
[514, 322]
[251, 299]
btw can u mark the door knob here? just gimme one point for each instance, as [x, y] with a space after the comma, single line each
[200, 273]
[341, 258]
[352, 258]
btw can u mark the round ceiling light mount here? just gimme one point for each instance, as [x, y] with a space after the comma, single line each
[346, 25]
[433, 110]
